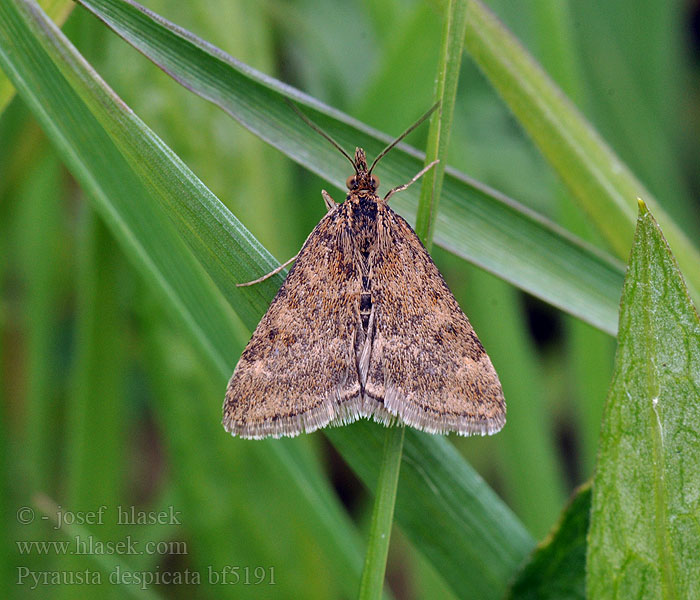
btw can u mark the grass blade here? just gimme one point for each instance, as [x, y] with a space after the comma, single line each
[449, 65]
[58, 11]
[600, 180]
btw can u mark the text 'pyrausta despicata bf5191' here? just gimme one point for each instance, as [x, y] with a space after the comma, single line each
[363, 326]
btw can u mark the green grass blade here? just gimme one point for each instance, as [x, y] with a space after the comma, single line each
[447, 78]
[644, 535]
[144, 232]
[58, 11]
[107, 147]
[600, 180]
[38, 214]
[95, 431]
[645, 66]
[474, 222]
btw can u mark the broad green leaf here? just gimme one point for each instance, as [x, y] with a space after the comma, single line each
[474, 221]
[600, 180]
[557, 568]
[131, 175]
[644, 539]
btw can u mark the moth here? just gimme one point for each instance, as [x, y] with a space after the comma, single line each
[363, 326]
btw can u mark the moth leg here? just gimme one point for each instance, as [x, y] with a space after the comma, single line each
[330, 203]
[270, 274]
[401, 188]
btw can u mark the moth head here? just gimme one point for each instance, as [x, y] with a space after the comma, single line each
[363, 179]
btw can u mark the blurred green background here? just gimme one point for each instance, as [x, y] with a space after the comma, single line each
[105, 402]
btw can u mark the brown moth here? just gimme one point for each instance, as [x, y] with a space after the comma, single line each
[363, 326]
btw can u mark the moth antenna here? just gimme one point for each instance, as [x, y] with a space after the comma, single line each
[403, 135]
[317, 129]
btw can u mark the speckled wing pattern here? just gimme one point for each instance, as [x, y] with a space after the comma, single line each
[363, 326]
[427, 367]
[297, 372]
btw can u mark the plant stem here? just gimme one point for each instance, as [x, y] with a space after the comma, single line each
[441, 122]
[438, 136]
[382, 515]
